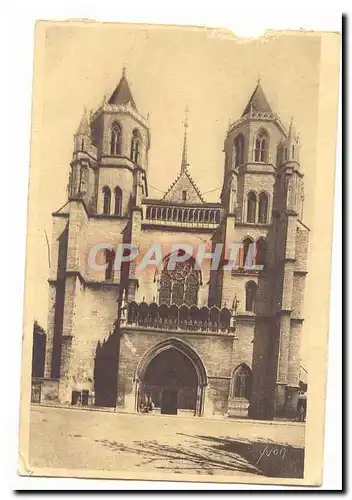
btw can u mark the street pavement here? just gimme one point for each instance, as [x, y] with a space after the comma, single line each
[135, 443]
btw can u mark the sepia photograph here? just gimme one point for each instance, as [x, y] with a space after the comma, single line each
[173, 270]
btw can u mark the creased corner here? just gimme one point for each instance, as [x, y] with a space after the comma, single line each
[24, 469]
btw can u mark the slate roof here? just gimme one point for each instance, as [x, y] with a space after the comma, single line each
[122, 94]
[257, 101]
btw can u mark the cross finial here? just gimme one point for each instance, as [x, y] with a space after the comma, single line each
[258, 79]
[124, 70]
[186, 117]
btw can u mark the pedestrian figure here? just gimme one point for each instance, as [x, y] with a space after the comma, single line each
[151, 405]
[302, 406]
[145, 404]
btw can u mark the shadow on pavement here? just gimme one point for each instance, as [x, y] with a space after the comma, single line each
[217, 455]
[190, 457]
[271, 458]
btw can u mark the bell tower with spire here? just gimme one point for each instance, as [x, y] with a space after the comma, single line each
[110, 156]
[263, 198]
[121, 135]
[251, 148]
[250, 158]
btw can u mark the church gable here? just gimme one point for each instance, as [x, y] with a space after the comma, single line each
[183, 187]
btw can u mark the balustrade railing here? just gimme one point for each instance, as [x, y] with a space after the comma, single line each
[182, 216]
[175, 317]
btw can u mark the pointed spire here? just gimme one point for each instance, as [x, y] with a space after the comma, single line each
[122, 94]
[257, 101]
[291, 129]
[292, 133]
[84, 127]
[184, 162]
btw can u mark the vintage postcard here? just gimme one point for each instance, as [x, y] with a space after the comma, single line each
[178, 253]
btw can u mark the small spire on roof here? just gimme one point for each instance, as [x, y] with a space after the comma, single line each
[84, 127]
[290, 130]
[184, 162]
[292, 134]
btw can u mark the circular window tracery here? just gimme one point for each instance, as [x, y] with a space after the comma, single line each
[179, 285]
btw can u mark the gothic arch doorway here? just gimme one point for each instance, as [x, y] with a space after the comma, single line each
[173, 376]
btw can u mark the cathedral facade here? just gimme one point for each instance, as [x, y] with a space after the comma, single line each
[196, 340]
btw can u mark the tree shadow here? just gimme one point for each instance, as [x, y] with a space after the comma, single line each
[271, 458]
[199, 458]
[200, 454]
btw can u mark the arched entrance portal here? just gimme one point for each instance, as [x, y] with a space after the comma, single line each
[174, 376]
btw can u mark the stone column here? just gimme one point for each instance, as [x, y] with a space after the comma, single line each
[51, 331]
[134, 237]
[282, 363]
[284, 345]
[131, 399]
[67, 338]
[199, 401]
[291, 401]
[207, 404]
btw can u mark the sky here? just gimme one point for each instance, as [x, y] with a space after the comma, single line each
[209, 71]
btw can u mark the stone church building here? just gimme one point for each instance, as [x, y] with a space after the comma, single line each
[199, 342]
